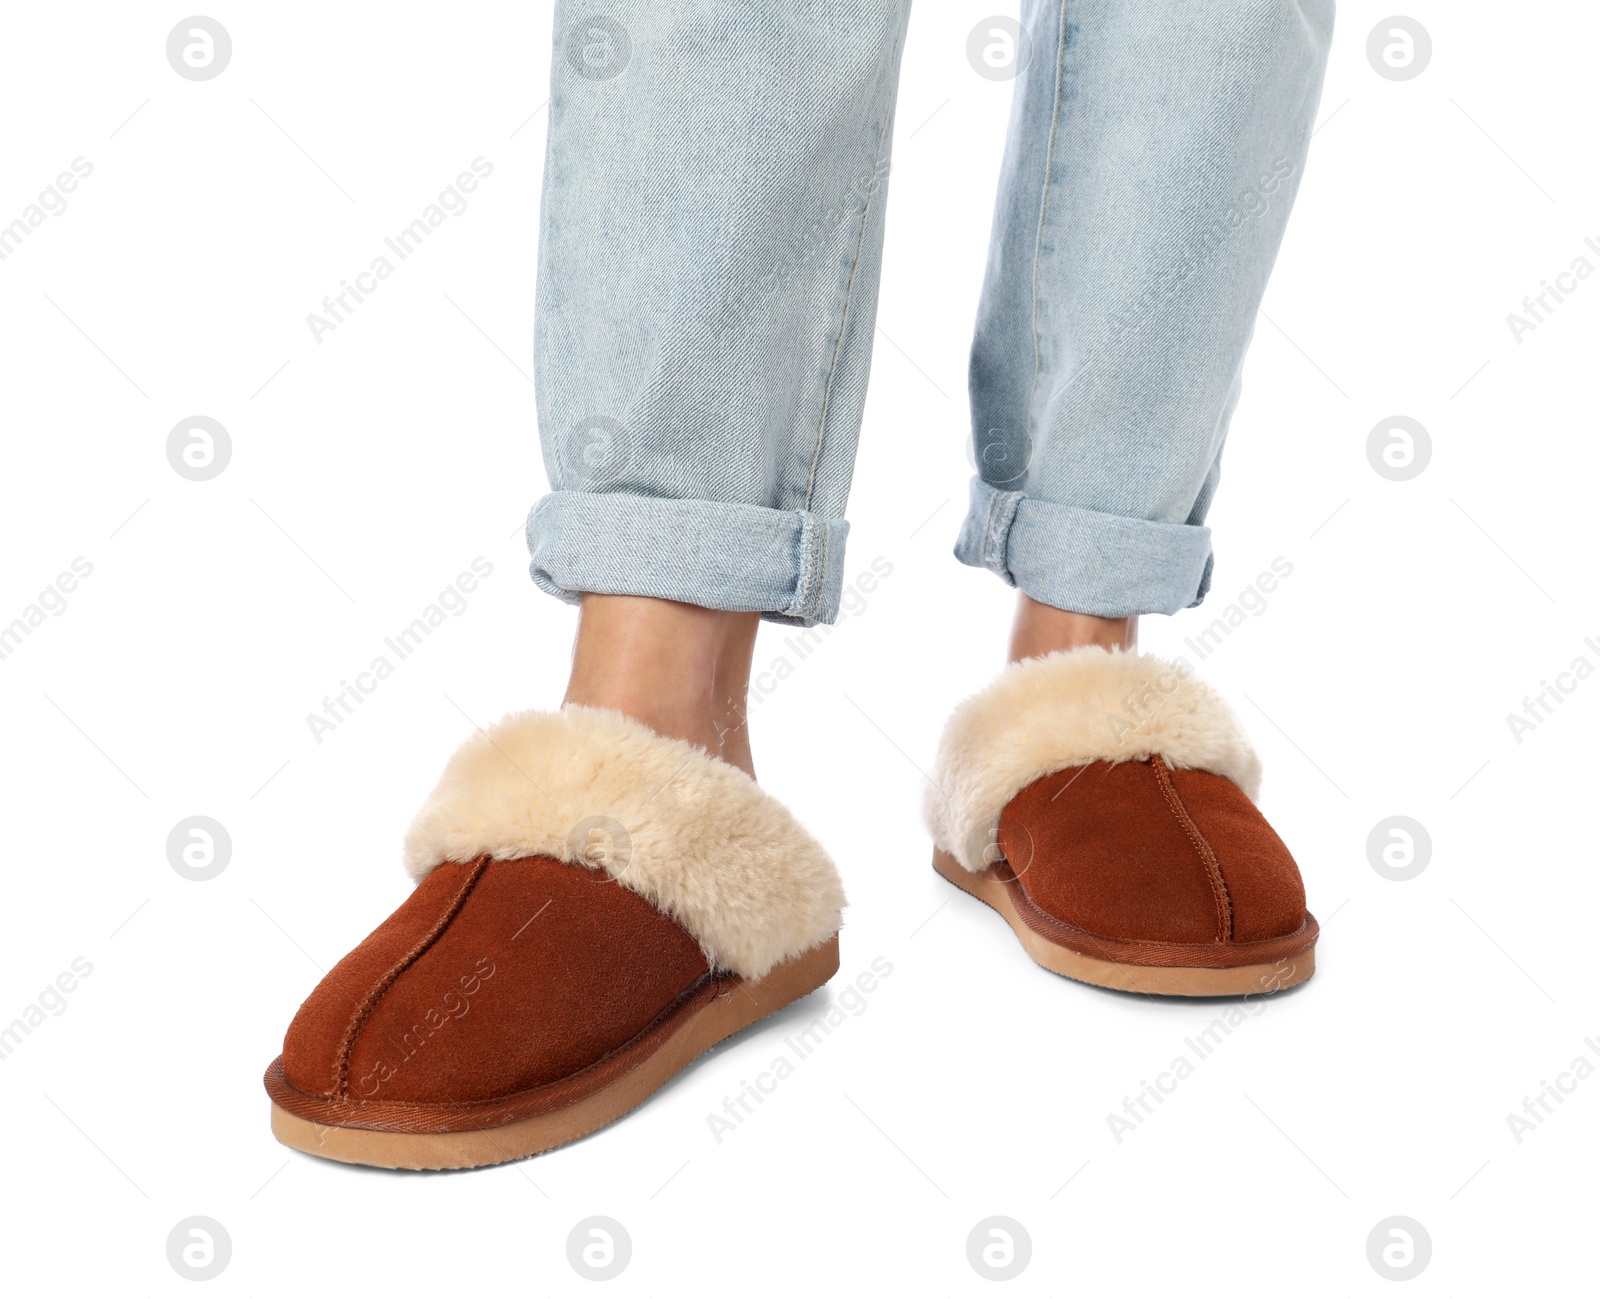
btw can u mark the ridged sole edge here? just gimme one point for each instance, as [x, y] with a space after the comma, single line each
[1157, 980]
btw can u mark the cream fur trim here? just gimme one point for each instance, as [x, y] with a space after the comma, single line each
[691, 834]
[1067, 710]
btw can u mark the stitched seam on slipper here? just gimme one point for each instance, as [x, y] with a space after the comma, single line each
[1219, 886]
[368, 1004]
[720, 985]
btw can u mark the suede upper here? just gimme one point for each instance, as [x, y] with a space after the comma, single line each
[492, 978]
[1138, 852]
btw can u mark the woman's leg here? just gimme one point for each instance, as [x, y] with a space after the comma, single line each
[1103, 803]
[713, 213]
[1153, 156]
[711, 230]
[680, 669]
[710, 239]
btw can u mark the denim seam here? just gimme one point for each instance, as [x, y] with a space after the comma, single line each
[801, 564]
[1044, 212]
[988, 529]
[805, 560]
[850, 284]
[813, 600]
[560, 476]
[808, 561]
[1011, 503]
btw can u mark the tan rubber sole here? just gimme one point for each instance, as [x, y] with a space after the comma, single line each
[1161, 980]
[715, 1021]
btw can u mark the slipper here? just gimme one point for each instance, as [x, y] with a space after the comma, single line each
[596, 906]
[1103, 803]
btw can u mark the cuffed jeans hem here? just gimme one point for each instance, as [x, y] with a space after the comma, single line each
[787, 565]
[1084, 561]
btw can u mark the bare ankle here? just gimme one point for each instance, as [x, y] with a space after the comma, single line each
[681, 670]
[1041, 629]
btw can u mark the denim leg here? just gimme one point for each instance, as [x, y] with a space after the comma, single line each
[1153, 155]
[710, 240]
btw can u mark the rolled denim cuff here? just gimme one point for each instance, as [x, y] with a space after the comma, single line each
[787, 565]
[1084, 561]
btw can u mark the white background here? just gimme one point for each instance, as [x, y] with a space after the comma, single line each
[369, 469]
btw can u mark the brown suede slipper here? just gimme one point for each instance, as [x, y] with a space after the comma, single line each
[597, 905]
[1103, 803]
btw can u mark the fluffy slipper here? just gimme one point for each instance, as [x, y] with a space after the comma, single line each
[596, 905]
[1103, 803]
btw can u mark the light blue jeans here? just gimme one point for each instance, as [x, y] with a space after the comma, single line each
[711, 238]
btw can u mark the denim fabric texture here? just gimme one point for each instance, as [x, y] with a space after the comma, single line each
[710, 244]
